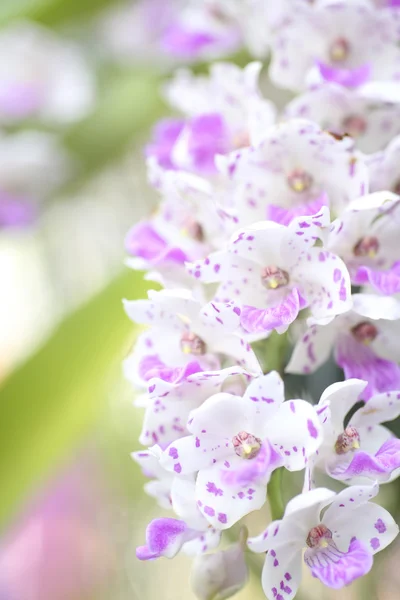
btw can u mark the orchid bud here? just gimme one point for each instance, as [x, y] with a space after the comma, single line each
[222, 574]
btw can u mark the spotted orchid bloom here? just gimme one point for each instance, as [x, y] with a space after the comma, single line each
[274, 271]
[163, 244]
[191, 533]
[176, 494]
[295, 170]
[366, 238]
[384, 168]
[235, 444]
[223, 112]
[185, 227]
[361, 448]
[348, 43]
[169, 403]
[186, 337]
[167, 537]
[371, 123]
[200, 30]
[339, 543]
[364, 342]
[33, 86]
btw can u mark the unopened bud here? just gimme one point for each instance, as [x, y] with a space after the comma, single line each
[222, 574]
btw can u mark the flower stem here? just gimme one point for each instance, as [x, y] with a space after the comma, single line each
[274, 493]
[272, 352]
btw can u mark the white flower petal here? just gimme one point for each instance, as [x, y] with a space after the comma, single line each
[296, 433]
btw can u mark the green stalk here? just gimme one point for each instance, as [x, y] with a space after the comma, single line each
[272, 352]
[274, 494]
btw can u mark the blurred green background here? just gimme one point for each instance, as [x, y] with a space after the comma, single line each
[67, 423]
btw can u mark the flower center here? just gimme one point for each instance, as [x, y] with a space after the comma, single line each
[347, 441]
[367, 246]
[194, 230]
[339, 50]
[246, 445]
[192, 344]
[241, 140]
[299, 180]
[365, 332]
[273, 277]
[354, 125]
[318, 536]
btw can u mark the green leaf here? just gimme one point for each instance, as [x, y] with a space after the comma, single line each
[52, 401]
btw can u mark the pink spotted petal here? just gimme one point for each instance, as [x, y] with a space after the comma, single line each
[296, 433]
[258, 320]
[336, 569]
[255, 471]
[152, 367]
[346, 77]
[164, 537]
[360, 362]
[385, 282]
[378, 467]
[144, 242]
[221, 504]
[221, 316]
[285, 216]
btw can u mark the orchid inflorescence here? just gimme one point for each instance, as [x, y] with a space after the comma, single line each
[275, 226]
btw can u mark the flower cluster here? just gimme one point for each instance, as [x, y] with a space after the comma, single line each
[276, 226]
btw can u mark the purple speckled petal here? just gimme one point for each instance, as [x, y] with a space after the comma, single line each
[346, 77]
[193, 453]
[164, 537]
[378, 467]
[207, 136]
[385, 282]
[152, 366]
[284, 216]
[257, 320]
[144, 241]
[296, 433]
[360, 362]
[222, 503]
[164, 136]
[336, 569]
